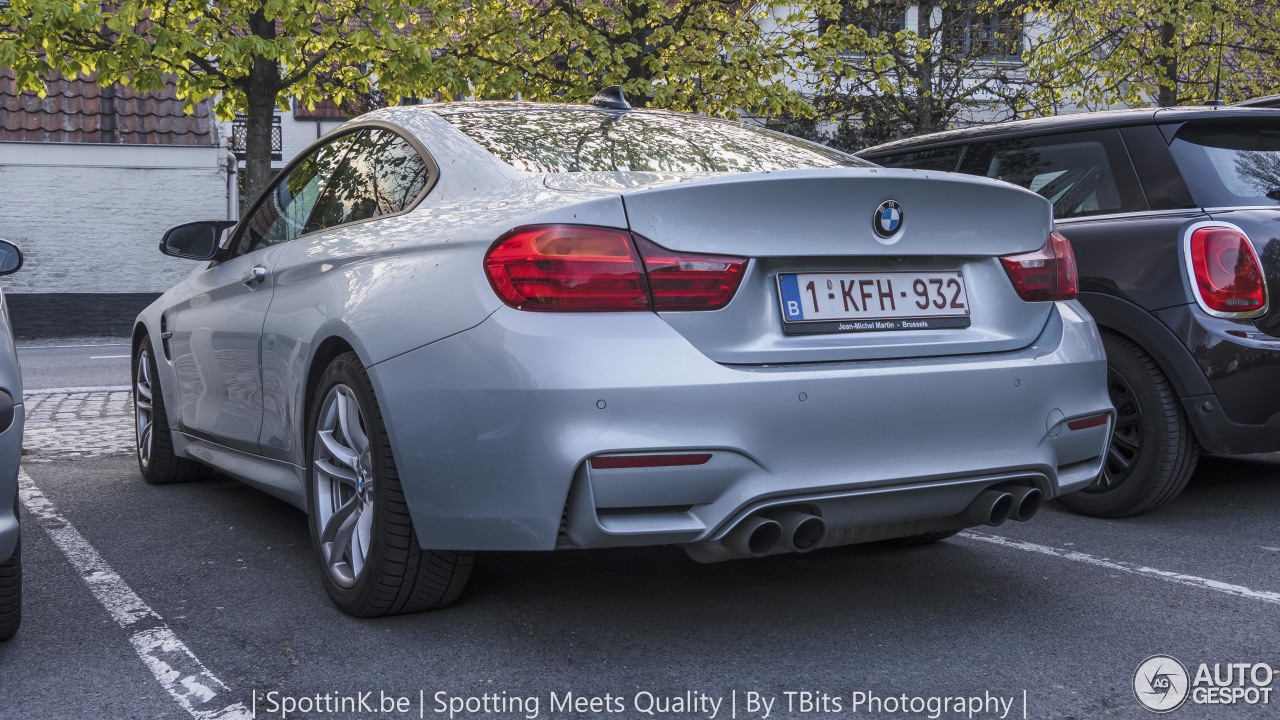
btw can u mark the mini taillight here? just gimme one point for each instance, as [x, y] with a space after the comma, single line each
[1046, 274]
[1228, 276]
[576, 268]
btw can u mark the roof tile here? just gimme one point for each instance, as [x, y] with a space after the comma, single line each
[80, 111]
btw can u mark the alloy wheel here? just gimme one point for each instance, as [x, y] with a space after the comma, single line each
[143, 407]
[1126, 440]
[343, 481]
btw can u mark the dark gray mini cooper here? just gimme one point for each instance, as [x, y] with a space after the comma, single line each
[1174, 215]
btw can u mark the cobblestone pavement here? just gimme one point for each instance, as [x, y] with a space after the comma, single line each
[87, 424]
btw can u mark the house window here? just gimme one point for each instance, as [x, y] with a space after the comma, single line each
[990, 33]
[240, 131]
[876, 17]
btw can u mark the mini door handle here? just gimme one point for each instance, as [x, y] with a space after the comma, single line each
[255, 275]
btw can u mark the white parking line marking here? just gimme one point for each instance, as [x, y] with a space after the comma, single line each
[1178, 578]
[180, 672]
[106, 357]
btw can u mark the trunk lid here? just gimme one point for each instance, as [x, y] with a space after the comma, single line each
[817, 225]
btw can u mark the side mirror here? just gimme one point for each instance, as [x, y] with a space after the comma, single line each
[195, 240]
[10, 258]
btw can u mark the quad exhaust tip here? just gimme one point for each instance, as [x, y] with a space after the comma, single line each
[1026, 502]
[801, 531]
[788, 530]
[756, 536]
[994, 506]
[991, 507]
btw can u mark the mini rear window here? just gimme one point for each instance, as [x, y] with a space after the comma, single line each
[1081, 173]
[944, 159]
[578, 140]
[1236, 165]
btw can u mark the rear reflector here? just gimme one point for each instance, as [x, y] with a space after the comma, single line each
[614, 462]
[1088, 422]
[577, 268]
[1228, 276]
[1046, 274]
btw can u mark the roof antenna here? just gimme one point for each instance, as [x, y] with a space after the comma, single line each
[611, 97]
[1217, 81]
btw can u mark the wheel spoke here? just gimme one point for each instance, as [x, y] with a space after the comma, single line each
[1125, 442]
[144, 441]
[349, 423]
[343, 540]
[340, 452]
[1123, 463]
[344, 475]
[360, 539]
[144, 393]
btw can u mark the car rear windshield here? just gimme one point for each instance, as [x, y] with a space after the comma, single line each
[573, 140]
[1230, 165]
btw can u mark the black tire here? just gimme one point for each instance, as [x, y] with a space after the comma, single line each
[158, 464]
[11, 593]
[397, 575]
[911, 541]
[1153, 450]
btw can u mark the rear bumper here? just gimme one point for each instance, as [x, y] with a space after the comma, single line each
[10, 455]
[1242, 413]
[492, 430]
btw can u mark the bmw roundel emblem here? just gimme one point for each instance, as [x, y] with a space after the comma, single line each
[888, 219]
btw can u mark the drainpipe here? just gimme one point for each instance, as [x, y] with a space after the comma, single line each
[233, 187]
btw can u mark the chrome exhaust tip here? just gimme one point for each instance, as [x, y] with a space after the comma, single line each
[801, 532]
[756, 536]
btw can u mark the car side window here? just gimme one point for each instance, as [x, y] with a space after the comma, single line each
[944, 159]
[381, 175]
[282, 214]
[1082, 174]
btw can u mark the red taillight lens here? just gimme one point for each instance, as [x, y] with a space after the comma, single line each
[1227, 273]
[1046, 274]
[575, 268]
[567, 268]
[689, 282]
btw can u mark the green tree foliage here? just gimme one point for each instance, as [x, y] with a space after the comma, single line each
[714, 56]
[1171, 52]
[883, 69]
[251, 54]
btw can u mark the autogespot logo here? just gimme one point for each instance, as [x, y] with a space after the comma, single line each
[1161, 683]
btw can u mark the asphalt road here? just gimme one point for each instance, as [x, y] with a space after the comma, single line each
[75, 362]
[1062, 609]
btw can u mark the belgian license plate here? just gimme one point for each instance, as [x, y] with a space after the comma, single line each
[872, 301]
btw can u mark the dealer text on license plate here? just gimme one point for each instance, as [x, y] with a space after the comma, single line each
[871, 301]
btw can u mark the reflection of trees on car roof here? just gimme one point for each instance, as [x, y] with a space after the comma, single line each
[545, 140]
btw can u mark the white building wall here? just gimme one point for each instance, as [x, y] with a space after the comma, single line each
[89, 218]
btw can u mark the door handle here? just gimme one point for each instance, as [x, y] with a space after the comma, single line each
[255, 275]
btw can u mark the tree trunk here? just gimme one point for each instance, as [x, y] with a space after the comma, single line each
[1167, 66]
[261, 89]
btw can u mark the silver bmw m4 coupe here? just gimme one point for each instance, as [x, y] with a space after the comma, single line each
[507, 326]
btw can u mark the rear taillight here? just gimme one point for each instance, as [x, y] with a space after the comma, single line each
[1225, 271]
[567, 268]
[689, 282]
[576, 268]
[1046, 274]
